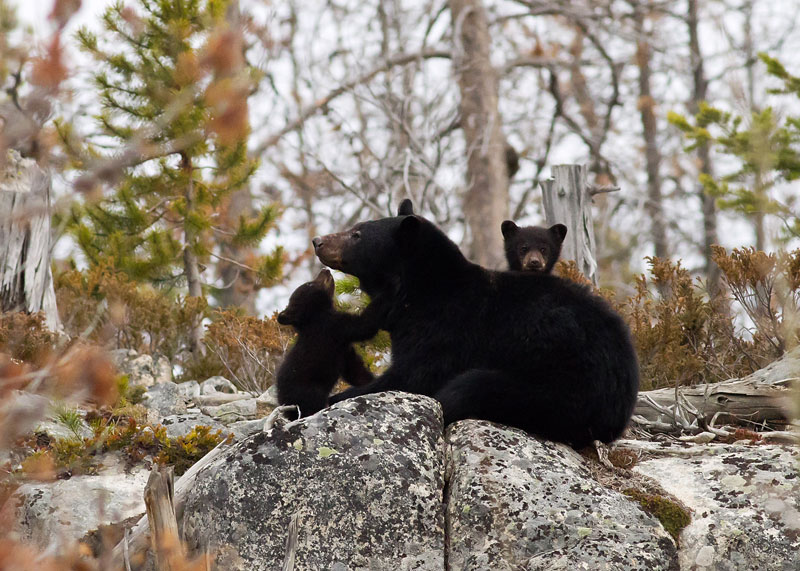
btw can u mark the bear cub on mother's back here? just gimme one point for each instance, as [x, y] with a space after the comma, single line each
[532, 248]
[322, 351]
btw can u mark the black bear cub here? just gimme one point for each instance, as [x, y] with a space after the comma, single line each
[322, 352]
[532, 248]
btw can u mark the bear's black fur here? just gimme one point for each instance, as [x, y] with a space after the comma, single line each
[322, 351]
[532, 248]
[525, 349]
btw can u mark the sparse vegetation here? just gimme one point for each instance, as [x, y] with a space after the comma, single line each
[672, 515]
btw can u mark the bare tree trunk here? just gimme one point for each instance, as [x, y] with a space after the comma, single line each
[486, 201]
[566, 200]
[190, 266]
[655, 208]
[750, 60]
[26, 283]
[699, 92]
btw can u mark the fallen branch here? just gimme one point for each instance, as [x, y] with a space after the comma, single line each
[760, 399]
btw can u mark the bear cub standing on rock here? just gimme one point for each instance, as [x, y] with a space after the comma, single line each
[322, 351]
[532, 248]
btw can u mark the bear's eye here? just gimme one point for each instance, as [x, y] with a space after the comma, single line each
[523, 249]
[356, 235]
[543, 250]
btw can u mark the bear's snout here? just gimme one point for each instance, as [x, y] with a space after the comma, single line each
[317, 242]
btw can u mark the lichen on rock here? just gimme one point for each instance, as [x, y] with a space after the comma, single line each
[363, 479]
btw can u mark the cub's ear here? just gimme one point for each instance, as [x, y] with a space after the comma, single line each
[405, 208]
[559, 231]
[509, 229]
[325, 280]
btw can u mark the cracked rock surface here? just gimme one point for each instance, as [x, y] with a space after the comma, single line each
[362, 482]
[746, 504]
[515, 502]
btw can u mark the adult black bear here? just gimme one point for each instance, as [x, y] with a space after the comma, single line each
[532, 248]
[322, 351]
[520, 348]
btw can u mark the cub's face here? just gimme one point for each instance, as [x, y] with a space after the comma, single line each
[309, 300]
[532, 248]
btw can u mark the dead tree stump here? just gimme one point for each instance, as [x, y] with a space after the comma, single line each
[26, 283]
[567, 200]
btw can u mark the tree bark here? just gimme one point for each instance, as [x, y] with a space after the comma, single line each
[191, 268]
[709, 204]
[486, 200]
[567, 201]
[655, 207]
[26, 283]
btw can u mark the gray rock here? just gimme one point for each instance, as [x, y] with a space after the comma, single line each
[233, 411]
[362, 481]
[189, 389]
[182, 424]
[60, 431]
[142, 370]
[245, 428]
[65, 510]
[746, 504]
[515, 502]
[165, 398]
[267, 401]
[216, 399]
[217, 384]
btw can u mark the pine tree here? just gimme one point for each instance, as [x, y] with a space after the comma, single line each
[173, 89]
[765, 149]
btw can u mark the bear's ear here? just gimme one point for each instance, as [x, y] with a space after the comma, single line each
[509, 229]
[405, 208]
[408, 229]
[325, 280]
[559, 230]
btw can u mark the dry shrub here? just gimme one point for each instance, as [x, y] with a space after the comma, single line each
[244, 349]
[681, 335]
[105, 306]
[25, 337]
[767, 287]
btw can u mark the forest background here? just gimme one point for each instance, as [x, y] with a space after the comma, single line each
[196, 146]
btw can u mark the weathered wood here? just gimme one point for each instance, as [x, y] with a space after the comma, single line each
[159, 502]
[26, 283]
[567, 200]
[762, 397]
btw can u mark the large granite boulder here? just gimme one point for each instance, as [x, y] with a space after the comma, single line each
[50, 514]
[516, 502]
[356, 486]
[745, 499]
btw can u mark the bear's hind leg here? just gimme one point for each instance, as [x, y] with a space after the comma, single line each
[497, 396]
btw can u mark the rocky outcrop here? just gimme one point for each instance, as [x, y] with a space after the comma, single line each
[745, 499]
[516, 502]
[165, 399]
[52, 514]
[142, 370]
[358, 486]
